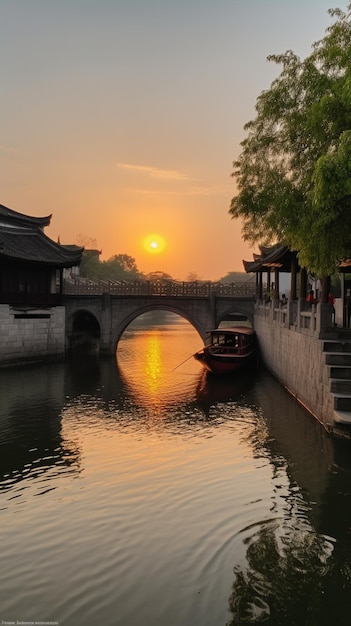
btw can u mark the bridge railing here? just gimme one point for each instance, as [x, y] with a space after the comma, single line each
[86, 286]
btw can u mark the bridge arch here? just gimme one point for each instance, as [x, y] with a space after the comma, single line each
[236, 315]
[84, 332]
[119, 329]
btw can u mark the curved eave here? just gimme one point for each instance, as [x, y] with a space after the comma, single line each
[35, 247]
[13, 217]
[251, 266]
[278, 257]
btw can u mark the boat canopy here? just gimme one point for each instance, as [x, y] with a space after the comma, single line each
[232, 330]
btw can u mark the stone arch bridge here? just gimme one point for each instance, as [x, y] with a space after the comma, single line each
[103, 310]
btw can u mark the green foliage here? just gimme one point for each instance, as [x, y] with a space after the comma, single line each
[294, 171]
[90, 265]
[118, 267]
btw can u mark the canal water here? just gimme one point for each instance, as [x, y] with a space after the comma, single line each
[138, 490]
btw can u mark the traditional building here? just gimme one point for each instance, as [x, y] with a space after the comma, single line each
[32, 315]
[277, 259]
[271, 262]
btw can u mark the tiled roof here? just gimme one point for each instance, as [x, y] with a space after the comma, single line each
[36, 247]
[13, 217]
[278, 256]
[22, 239]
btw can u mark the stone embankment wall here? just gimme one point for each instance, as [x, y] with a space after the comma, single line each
[31, 335]
[293, 353]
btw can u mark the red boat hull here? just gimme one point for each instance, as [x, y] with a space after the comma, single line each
[225, 365]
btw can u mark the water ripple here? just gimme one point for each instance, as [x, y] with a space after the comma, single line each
[167, 499]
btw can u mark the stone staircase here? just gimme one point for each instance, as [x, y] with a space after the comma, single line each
[337, 354]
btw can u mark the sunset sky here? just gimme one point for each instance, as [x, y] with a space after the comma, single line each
[122, 119]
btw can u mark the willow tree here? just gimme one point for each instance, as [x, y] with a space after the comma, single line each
[294, 171]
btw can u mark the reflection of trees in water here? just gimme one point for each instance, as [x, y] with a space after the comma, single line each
[298, 568]
[335, 517]
[292, 440]
[291, 579]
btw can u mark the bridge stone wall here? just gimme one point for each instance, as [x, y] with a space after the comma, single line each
[45, 334]
[226, 306]
[115, 313]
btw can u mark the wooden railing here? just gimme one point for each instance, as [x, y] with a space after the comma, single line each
[85, 286]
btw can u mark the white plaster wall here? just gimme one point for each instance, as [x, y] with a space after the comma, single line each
[31, 339]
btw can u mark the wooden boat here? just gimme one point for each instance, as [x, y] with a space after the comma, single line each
[230, 350]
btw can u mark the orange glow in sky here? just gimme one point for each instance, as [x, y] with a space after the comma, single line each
[131, 127]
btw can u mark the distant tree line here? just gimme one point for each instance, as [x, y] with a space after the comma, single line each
[124, 267]
[118, 267]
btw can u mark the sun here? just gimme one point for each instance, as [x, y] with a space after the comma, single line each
[154, 243]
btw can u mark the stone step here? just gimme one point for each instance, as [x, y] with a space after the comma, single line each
[338, 371]
[337, 332]
[337, 355]
[340, 385]
[338, 358]
[337, 345]
[342, 402]
[342, 417]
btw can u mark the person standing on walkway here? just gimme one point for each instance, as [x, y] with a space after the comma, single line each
[331, 301]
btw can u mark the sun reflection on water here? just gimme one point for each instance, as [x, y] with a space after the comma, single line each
[153, 362]
[147, 367]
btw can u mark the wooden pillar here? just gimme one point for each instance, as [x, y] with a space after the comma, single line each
[276, 283]
[343, 301]
[260, 285]
[293, 280]
[268, 282]
[325, 289]
[303, 283]
[61, 282]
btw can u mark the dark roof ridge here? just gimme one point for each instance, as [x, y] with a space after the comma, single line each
[278, 255]
[20, 218]
[22, 238]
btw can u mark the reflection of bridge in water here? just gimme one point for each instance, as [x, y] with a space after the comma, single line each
[101, 310]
